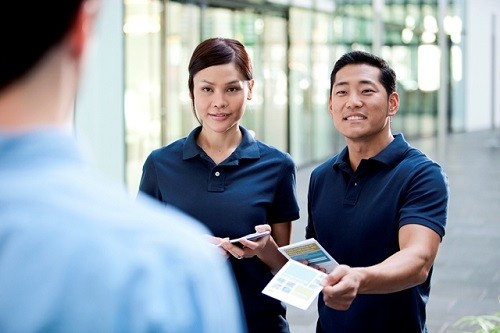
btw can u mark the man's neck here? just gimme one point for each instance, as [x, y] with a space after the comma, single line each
[365, 149]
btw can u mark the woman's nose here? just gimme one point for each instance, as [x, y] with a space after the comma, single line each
[219, 101]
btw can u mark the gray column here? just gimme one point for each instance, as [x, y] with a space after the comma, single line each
[99, 120]
[442, 121]
[378, 26]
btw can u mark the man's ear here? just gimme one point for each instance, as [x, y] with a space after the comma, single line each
[393, 104]
[330, 106]
[81, 28]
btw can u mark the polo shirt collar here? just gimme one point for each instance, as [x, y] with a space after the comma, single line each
[393, 153]
[388, 156]
[248, 147]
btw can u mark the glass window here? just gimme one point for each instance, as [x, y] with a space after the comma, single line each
[325, 138]
[267, 113]
[181, 39]
[142, 28]
[293, 46]
[301, 118]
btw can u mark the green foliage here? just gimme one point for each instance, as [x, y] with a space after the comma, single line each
[480, 324]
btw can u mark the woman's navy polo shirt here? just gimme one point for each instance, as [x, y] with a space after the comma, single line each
[254, 185]
[356, 217]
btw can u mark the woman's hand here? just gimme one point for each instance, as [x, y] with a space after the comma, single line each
[217, 241]
[249, 248]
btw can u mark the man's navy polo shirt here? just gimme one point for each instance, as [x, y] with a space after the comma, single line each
[255, 185]
[356, 217]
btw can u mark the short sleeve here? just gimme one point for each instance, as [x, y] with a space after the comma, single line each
[426, 199]
[149, 179]
[286, 206]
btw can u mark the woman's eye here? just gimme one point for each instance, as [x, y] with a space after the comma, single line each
[232, 89]
[206, 89]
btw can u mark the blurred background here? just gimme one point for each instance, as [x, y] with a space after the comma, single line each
[445, 52]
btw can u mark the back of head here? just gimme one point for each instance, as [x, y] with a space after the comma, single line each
[28, 29]
[387, 74]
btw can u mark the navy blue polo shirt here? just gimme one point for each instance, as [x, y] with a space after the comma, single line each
[356, 217]
[255, 185]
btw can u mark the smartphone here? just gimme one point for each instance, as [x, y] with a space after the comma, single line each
[251, 237]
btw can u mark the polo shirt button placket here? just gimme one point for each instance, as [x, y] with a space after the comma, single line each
[216, 181]
[352, 193]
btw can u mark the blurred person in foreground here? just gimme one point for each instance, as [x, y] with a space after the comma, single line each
[379, 207]
[77, 255]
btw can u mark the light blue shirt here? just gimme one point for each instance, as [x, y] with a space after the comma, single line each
[78, 255]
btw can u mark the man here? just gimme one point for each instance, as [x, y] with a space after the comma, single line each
[379, 207]
[75, 255]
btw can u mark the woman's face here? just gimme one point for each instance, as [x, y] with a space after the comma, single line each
[219, 96]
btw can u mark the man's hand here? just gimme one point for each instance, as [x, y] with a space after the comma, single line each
[341, 287]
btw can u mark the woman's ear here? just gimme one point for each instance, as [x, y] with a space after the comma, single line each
[250, 89]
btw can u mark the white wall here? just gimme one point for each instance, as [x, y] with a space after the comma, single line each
[479, 63]
[99, 120]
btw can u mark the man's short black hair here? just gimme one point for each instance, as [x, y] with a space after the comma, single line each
[28, 29]
[387, 74]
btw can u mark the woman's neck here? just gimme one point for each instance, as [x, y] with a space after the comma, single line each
[219, 146]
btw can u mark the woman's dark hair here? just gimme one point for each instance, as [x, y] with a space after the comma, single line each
[28, 30]
[218, 51]
[387, 74]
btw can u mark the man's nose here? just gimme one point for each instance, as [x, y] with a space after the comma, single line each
[354, 101]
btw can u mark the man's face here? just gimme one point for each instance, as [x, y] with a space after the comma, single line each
[359, 104]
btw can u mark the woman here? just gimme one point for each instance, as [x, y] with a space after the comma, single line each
[231, 182]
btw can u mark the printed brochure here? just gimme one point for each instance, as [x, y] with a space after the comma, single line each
[309, 251]
[295, 284]
[298, 283]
